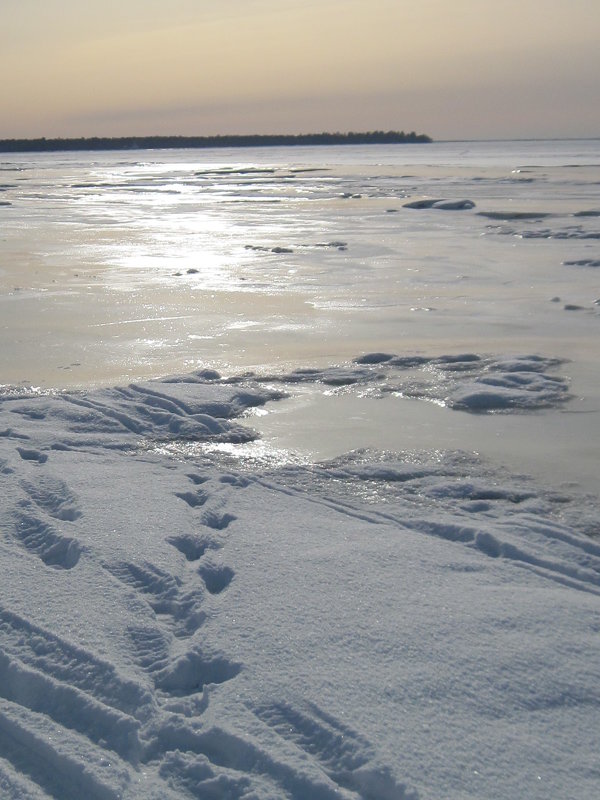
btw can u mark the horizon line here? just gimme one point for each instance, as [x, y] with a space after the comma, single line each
[172, 141]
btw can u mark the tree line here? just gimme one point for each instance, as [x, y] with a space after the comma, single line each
[172, 142]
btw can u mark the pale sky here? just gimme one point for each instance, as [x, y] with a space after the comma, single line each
[451, 68]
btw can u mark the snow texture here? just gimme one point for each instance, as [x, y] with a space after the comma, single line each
[177, 624]
[465, 382]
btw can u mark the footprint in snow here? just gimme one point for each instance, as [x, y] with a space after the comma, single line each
[193, 499]
[54, 497]
[43, 540]
[180, 611]
[28, 454]
[192, 546]
[344, 755]
[216, 577]
[216, 521]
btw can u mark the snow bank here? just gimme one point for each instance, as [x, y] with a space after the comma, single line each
[465, 382]
[177, 624]
[441, 205]
[172, 409]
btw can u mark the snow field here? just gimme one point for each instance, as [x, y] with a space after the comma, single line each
[177, 623]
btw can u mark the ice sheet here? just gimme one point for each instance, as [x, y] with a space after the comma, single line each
[116, 267]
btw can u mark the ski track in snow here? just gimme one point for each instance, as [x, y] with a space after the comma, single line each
[74, 722]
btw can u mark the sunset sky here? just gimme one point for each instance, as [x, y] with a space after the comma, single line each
[450, 68]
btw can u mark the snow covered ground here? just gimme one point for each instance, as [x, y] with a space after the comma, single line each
[394, 593]
[177, 623]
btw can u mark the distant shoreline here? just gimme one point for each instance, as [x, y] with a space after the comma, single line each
[42, 144]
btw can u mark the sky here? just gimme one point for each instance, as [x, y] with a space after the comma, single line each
[454, 69]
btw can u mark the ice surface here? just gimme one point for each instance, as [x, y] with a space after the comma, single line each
[120, 268]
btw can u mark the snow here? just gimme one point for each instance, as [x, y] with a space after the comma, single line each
[176, 622]
[443, 205]
[465, 381]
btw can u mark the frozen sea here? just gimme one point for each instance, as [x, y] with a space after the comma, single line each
[120, 266]
[299, 468]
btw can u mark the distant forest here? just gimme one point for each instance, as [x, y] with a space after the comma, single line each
[172, 142]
